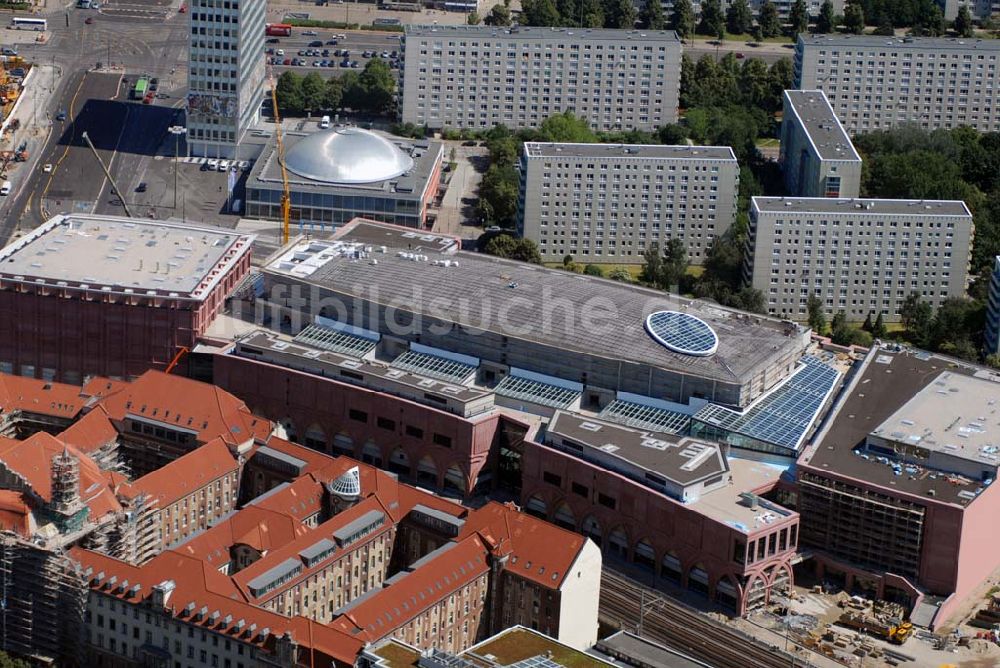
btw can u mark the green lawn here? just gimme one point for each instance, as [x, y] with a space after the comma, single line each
[768, 142]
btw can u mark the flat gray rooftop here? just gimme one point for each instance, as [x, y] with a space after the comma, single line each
[887, 383]
[680, 459]
[628, 151]
[536, 33]
[955, 414]
[861, 206]
[95, 252]
[816, 116]
[266, 172]
[588, 315]
[631, 649]
[915, 43]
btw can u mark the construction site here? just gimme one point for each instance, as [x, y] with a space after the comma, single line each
[15, 76]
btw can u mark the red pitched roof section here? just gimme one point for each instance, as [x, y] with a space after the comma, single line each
[528, 540]
[15, 515]
[185, 474]
[31, 395]
[261, 529]
[91, 432]
[188, 404]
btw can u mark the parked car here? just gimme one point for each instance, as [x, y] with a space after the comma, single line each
[345, 63]
[223, 165]
[280, 52]
[274, 40]
[354, 63]
[213, 164]
[141, 188]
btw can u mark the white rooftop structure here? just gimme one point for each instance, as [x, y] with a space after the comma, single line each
[347, 155]
[124, 255]
[954, 417]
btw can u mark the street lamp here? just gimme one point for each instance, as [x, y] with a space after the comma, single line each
[176, 131]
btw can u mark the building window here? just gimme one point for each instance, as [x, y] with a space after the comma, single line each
[441, 439]
[357, 416]
[606, 500]
[581, 490]
[552, 478]
[415, 432]
[386, 423]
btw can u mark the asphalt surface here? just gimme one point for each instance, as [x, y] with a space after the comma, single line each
[356, 42]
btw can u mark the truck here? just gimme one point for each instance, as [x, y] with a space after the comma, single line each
[278, 30]
[140, 89]
[893, 630]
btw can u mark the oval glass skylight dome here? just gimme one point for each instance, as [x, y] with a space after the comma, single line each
[682, 333]
[347, 155]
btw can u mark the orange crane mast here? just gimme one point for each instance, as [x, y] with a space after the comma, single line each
[286, 196]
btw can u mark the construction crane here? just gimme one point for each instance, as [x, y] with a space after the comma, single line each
[286, 197]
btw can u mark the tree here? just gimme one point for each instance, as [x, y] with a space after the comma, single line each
[506, 246]
[376, 87]
[593, 270]
[840, 331]
[566, 128]
[620, 274]
[963, 22]
[569, 12]
[738, 17]
[682, 18]
[333, 94]
[879, 330]
[592, 14]
[768, 21]
[867, 325]
[472, 19]
[652, 16]
[666, 270]
[798, 19]
[854, 17]
[917, 318]
[929, 19]
[498, 193]
[313, 92]
[826, 20]
[711, 18]
[8, 661]
[817, 318]
[540, 13]
[498, 16]
[620, 14]
[885, 27]
[288, 90]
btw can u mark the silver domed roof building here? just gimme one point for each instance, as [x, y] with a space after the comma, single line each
[347, 155]
[346, 172]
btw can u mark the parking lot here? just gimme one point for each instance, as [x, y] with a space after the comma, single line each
[324, 50]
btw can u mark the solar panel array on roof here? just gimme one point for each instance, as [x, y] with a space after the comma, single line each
[335, 341]
[783, 417]
[441, 659]
[536, 392]
[434, 366]
[683, 333]
[641, 416]
[536, 662]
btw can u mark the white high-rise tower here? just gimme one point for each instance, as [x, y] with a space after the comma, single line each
[225, 74]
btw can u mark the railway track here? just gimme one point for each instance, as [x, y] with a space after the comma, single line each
[632, 606]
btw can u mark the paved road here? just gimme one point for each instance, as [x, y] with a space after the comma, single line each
[138, 36]
[768, 52]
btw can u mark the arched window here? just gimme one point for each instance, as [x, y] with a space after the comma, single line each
[618, 544]
[427, 472]
[592, 528]
[454, 479]
[698, 579]
[670, 567]
[399, 462]
[371, 454]
[343, 445]
[564, 517]
[315, 438]
[644, 555]
[536, 506]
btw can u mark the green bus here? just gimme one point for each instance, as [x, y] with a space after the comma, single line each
[139, 91]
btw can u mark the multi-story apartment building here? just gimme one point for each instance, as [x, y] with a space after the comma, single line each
[225, 74]
[817, 157]
[875, 83]
[783, 7]
[480, 76]
[610, 202]
[991, 342]
[860, 256]
[981, 10]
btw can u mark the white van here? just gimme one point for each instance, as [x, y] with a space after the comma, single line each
[324, 123]
[6, 188]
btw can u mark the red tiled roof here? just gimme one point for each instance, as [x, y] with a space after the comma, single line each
[313, 459]
[32, 460]
[539, 551]
[292, 549]
[186, 403]
[90, 432]
[385, 611]
[39, 396]
[194, 582]
[185, 474]
[261, 529]
[15, 515]
[302, 498]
